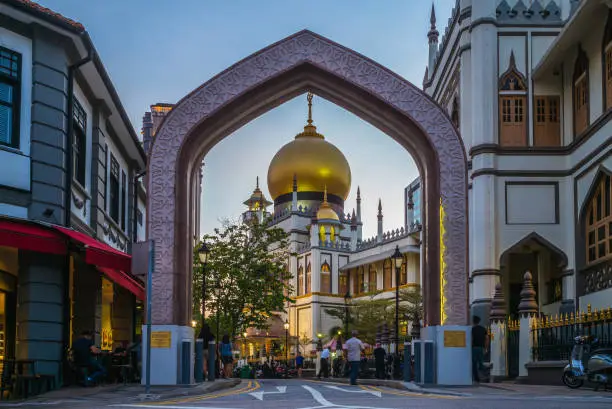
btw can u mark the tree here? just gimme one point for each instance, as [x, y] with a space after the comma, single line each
[247, 278]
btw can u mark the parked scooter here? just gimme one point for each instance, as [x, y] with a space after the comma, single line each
[588, 363]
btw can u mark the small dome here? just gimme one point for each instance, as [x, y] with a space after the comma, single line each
[325, 212]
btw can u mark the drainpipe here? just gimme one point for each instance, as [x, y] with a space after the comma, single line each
[135, 210]
[70, 134]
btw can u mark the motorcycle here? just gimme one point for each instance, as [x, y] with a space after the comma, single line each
[588, 363]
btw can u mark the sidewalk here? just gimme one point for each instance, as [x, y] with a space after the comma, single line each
[129, 393]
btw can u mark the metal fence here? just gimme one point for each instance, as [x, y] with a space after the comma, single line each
[512, 353]
[553, 337]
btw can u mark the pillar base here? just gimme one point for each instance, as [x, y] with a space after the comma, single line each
[167, 354]
[453, 353]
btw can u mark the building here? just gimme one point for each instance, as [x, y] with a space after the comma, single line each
[412, 205]
[528, 84]
[309, 180]
[70, 201]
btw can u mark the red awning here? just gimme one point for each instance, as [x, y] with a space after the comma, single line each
[98, 253]
[32, 237]
[124, 280]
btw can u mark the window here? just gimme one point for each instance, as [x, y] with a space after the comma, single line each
[343, 282]
[106, 177]
[124, 212]
[387, 274]
[325, 278]
[607, 65]
[139, 217]
[547, 125]
[372, 278]
[599, 222]
[361, 281]
[114, 189]
[300, 283]
[10, 93]
[404, 273]
[581, 93]
[79, 142]
[512, 105]
[308, 279]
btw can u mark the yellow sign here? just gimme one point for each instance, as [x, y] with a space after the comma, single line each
[161, 339]
[454, 339]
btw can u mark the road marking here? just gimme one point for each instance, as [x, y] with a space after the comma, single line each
[363, 390]
[316, 395]
[402, 393]
[260, 395]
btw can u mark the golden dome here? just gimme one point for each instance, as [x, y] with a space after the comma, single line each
[325, 212]
[314, 161]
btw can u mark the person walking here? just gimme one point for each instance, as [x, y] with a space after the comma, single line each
[226, 356]
[206, 336]
[379, 359]
[84, 354]
[299, 363]
[324, 364]
[354, 346]
[480, 343]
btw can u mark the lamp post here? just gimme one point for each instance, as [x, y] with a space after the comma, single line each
[347, 300]
[244, 339]
[286, 325]
[397, 262]
[203, 256]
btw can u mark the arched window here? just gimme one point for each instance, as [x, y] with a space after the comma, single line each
[512, 107]
[372, 278]
[581, 93]
[387, 274]
[404, 272]
[308, 279]
[332, 234]
[322, 237]
[599, 221]
[360, 281]
[607, 65]
[325, 278]
[343, 282]
[300, 282]
[455, 113]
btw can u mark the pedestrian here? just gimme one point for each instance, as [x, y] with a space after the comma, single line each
[354, 346]
[85, 353]
[324, 364]
[206, 336]
[480, 343]
[299, 363]
[379, 360]
[226, 356]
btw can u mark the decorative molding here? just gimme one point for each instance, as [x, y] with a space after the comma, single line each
[114, 234]
[349, 69]
[598, 277]
[485, 272]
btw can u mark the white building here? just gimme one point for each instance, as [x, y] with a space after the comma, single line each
[529, 85]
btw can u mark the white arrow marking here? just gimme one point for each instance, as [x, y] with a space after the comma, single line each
[375, 393]
[327, 404]
[260, 395]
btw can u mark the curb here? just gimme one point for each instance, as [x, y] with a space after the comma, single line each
[405, 386]
[191, 390]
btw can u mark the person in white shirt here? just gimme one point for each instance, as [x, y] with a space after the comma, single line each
[324, 364]
[354, 346]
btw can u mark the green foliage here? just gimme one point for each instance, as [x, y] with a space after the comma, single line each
[246, 276]
[365, 315]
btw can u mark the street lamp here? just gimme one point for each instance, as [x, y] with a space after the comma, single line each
[397, 261]
[347, 300]
[286, 325]
[203, 252]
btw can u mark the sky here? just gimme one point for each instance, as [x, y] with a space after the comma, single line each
[160, 50]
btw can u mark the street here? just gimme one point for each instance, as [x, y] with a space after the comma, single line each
[308, 394]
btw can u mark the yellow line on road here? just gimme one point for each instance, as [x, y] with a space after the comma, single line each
[250, 387]
[398, 393]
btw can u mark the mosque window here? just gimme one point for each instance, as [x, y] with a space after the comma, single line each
[581, 93]
[343, 282]
[547, 124]
[387, 275]
[332, 234]
[322, 237]
[308, 289]
[300, 282]
[360, 281]
[512, 105]
[404, 273]
[607, 55]
[325, 278]
[372, 278]
[599, 222]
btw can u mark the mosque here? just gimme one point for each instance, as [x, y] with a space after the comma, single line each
[309, 180]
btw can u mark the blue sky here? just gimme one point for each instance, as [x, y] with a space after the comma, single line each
[159, 50]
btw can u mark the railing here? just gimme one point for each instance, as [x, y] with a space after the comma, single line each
[553, 338]
[512, 352]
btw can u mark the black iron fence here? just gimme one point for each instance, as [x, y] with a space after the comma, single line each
[512, 352]
[553, 337]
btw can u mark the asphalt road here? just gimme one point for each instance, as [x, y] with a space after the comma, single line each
[303, 394]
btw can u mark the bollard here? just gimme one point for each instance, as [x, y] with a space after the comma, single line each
[212, 349]
[198, 369]
[429, 363]
[407, 362]
[185, 362]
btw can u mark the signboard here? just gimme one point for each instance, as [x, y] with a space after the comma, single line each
[454, 339]
[161, 339]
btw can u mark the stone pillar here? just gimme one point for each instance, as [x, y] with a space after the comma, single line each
[498, 335]
[528, 309]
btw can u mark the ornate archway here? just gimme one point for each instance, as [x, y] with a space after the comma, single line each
[266, 79]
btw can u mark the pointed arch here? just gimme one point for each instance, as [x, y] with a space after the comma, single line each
[596, 218]
[308, 288]
[300, 281]
[580, 92]
[512, 106]
[512, 79]
[534, 237]
[325, 282]
[372, 278]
